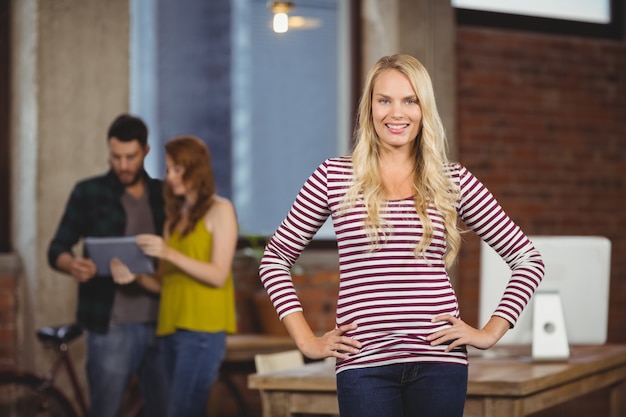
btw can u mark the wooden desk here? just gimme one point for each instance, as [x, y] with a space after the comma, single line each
[503, 381]
[243, 347]
[239, 359]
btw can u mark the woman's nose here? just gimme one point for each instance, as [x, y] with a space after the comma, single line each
[396, 110]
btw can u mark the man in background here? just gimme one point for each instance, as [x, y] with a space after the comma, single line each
[120, 320]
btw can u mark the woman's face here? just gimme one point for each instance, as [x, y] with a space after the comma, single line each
[396, 112]
[174, 176]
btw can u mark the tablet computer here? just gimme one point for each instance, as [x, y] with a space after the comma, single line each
[102, 249]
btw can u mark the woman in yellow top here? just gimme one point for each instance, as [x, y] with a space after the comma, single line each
[194, 276]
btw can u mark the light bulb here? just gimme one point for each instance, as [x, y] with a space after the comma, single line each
[281, 22]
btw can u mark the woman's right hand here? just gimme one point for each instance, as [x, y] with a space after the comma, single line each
[153, 245]
[332, 344]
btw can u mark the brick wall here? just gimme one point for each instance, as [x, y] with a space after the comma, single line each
[8, 330]
[9, 269]
[542, 122]
[316, 278]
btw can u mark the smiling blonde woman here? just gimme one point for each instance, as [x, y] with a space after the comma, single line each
[395, 202]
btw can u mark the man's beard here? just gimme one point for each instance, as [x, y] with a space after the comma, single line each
[134, 180]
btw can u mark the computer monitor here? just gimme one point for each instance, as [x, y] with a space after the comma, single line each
[578, 267]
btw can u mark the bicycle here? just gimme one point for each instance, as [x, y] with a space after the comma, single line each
[26, 394]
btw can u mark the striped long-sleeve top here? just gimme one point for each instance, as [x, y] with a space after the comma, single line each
[391, 294]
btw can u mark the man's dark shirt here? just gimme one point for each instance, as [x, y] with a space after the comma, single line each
[94, 209]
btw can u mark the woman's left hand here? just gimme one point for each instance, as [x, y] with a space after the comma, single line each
[152, 245]
[460, 333]
[120, 272]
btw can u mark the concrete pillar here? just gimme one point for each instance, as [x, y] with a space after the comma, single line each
[424, 29]
[70, 79]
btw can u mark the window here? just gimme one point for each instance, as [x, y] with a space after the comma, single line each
[594, 11]
[290, 105]
[600, 18]
[270, 106]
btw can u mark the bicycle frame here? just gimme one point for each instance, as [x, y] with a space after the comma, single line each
[57, 339]
[63, 360]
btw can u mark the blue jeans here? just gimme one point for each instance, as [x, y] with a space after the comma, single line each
[192, 361]
[403, 390]
[113, 358]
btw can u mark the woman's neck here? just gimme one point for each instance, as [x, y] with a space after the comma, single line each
[397, 176]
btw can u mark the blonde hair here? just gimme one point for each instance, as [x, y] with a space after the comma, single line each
[431, 183]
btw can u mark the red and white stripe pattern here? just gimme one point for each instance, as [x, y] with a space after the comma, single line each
[391, 294]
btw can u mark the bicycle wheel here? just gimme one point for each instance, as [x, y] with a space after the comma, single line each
[22, 395]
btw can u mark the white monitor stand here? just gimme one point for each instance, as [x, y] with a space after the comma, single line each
[549, 331]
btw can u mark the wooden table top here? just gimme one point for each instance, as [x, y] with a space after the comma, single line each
[315, 376]
[506, 370]
[243, 347]
[512, 371]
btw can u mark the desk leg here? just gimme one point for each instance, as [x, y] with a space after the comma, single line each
[237, 396]
[275, 404]
[503, 407]
[618, 401]
[478, 406]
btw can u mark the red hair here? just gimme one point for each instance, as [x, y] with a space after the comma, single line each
[193, 155]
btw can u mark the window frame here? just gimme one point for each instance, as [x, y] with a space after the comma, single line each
[5, 148]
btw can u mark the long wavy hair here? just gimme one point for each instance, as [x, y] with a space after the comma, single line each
[432, 186]
[193, 155]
